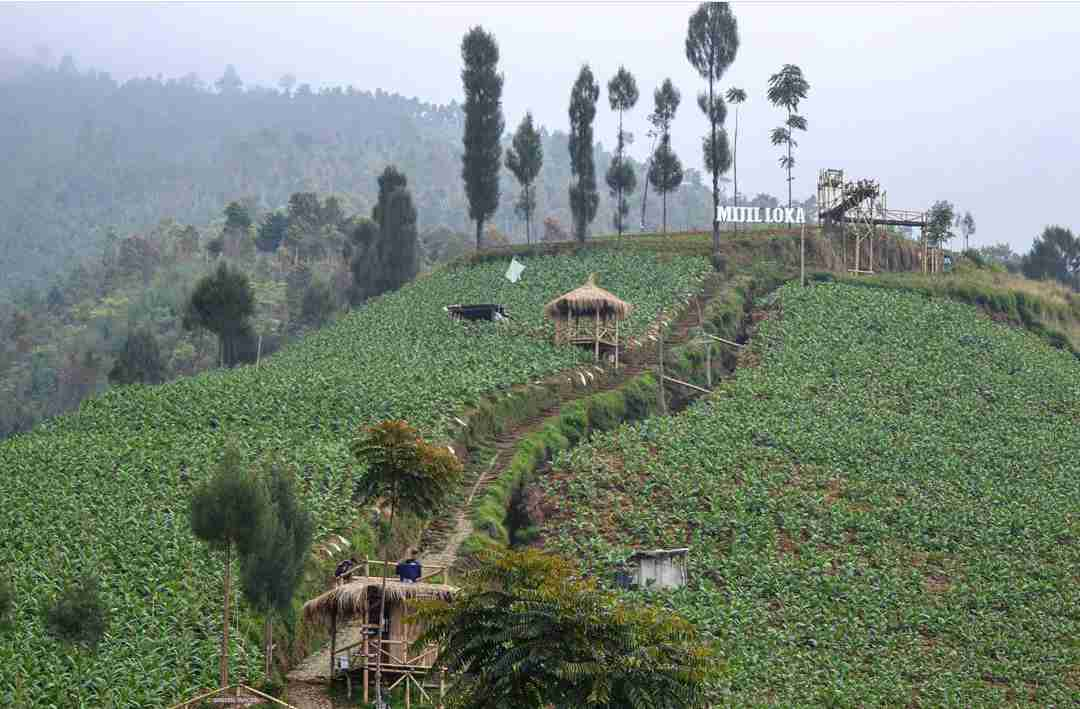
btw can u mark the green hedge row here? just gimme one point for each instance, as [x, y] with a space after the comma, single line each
[634, 400]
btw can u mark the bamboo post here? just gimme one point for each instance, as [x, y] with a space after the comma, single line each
[367, 649]
[408, 691]
[660, 380]
[333, 641]
[616, 342]
[596, 338]
[442, 687]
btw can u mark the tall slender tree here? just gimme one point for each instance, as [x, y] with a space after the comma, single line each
[787, 88]
[712, 39]
[665, 169]
[524, 158]
[397, 250]
[967, 228]
[736, 97]
[229, 511]
[621, 180]
[483, 125]
[273, 570]
[584, 198]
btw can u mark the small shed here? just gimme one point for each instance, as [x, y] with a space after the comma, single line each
[589, 316]
[477, 311]
[659, 568]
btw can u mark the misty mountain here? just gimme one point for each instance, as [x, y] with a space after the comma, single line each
[87, 155]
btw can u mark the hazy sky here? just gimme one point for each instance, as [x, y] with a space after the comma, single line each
[976, 103]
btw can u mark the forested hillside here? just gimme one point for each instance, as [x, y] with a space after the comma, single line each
[85, 154]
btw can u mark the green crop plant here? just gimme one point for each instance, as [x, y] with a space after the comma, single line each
[106, 487]
[881, 507]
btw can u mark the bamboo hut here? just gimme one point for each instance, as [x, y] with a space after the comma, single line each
[589, 316]
[356, 603]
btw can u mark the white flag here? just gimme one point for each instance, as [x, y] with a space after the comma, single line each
[513, 274]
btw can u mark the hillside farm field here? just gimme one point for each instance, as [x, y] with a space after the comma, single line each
[883, 507]
[107, 487]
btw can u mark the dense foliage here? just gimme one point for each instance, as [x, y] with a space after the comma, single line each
[881, 507]
[118, 474]
[527, 632]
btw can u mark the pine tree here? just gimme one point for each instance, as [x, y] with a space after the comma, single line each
[223, 303]
[665, 169]
[583, 196]
[397, 248]
[525, 158]
[621, 180]
[273, 570]
[230, 512]
[483, 125]
[712, 40]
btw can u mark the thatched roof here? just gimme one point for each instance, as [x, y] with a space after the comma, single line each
[349, 597]
[589, 299]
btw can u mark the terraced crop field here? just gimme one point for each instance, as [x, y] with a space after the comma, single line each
[107, 488]
[883, 508]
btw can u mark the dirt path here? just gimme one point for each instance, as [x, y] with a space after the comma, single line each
[443, 538]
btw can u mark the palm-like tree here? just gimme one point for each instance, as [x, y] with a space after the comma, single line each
[786, 88]
[735, 96]
[406, 473]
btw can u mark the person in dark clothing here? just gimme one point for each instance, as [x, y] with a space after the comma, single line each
[409, 571]
[344, 568]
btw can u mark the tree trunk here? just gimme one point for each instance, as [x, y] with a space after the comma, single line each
[268, 641]
[224, 663]
[715, 183]
[619, 198]
[664, 219]
[528, 216]
[382, 611]
[735, 165]
[789, 161]
[479, 231]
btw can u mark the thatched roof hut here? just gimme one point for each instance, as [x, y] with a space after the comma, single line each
[350, 599]
[588, 300]
[589, 316]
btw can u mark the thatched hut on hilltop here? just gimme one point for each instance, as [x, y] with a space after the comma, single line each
[590, 316]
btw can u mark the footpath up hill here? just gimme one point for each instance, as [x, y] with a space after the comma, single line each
[107, 488]
[881, 506]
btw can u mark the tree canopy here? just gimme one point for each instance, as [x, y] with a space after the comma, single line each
[526, 632]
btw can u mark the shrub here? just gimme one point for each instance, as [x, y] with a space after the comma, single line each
[78, 614]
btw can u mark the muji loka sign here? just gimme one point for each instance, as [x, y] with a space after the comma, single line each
[762, 215]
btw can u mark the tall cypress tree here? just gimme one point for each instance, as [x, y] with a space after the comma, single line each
[483, 126]
[621, 180]
[396, 260]
[583, 196]
[712, 39]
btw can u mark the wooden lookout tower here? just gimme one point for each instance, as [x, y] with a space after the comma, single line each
[589, 316]
[351, 610]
